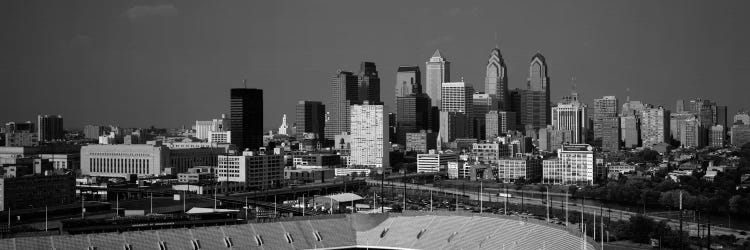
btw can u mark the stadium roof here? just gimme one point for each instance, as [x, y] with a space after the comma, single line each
[203, 210]
[344, 197]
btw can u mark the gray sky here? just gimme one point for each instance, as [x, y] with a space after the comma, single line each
[139, 63]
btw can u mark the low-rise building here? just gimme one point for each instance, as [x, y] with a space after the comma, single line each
[527, 168]
[256, 171]
[574, 165]
[433, 162]
[304, 176]
[36, 190]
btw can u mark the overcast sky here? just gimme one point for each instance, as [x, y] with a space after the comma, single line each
[142, 63]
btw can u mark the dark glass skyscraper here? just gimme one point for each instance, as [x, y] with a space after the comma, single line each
[413, 115]
[344, 92]
[311, 116]
[368, 83]
[246, 118]
[50, 128]
[535, 100]
[496, 81]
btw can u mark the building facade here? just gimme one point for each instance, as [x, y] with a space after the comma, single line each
[574, 165]
[535, 99]
[413, 115]
[344, 92]
[369, 136]
[124, 160]
[408, 81]
[496, 81]
[256, 171]
[655, 126]
[311, 118]
[246, 118]
[434, 162]
[437, 72]
[50, 128]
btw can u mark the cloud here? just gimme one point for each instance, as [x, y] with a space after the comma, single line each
[440, 40]
[143, 12]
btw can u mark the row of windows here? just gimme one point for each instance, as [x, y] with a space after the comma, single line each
[120, 154]
[110, 165]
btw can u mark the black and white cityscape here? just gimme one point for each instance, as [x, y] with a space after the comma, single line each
[336, 124]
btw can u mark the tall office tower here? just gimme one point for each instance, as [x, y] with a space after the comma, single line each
[691, 133]
[629, 131]
[535, 99]
[311, 118]
[344, 92]
[739, 135]
[680, 106]
[246, 114]
[369, 83]
[438, 71]
[481, 104]
[633, 108]
[570, 116]
[392, 127]
[720, 115]
[676, 123]
[702, 109]
[50, 128]
[655, 126]
[742, 117]
[718, 133]
[283, 127]
[457, 97]
[552, 139]
[408, 81]
[499, 123]
[496, 81]
[515, 106]
[452, 125]
[606, 124]
[413, 115]
[369, 136]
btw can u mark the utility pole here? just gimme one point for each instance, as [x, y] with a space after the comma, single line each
[681, 245]
[480, 196]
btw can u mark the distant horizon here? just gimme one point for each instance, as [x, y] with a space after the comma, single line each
[172, 63]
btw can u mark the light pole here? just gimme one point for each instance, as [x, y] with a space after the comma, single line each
[382, 181]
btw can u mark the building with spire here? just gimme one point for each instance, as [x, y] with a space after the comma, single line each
[535, 99]
[284, 126]
[437, 72]
[496, 81]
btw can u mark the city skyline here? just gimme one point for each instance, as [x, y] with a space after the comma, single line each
[179, 60]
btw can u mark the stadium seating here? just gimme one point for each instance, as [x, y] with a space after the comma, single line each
[412, 230]
[210, 237]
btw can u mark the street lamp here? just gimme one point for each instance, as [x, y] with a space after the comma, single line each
[382, 180]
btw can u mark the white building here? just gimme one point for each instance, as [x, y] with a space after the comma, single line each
[203, 129]
[434, 162]
[570, 116]
[123, 160]
[457, 97]
[438, 71]
[220, 137]
[369, 136]
[574, 165]
[257, 171]
[352, 171]
[510, 170]
[284, 126]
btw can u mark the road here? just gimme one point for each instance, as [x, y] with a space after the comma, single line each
[491, 194]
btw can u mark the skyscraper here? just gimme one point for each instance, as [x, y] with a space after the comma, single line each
[535, 99]
[413, 115]
[692, 133]
[481, 104]
[570, 116]
[629, 131]
[369, 83]
[717, 135]
[655, 126]
[606, 123]
[408, 81]
[369, 136]
[499, 122]
[496, 81]
[246, 114]
[311, 117]
[438, 71]
[50, 128]
[344, 92]
[457, 97]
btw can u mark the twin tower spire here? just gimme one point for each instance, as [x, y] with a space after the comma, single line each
[495, 83]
